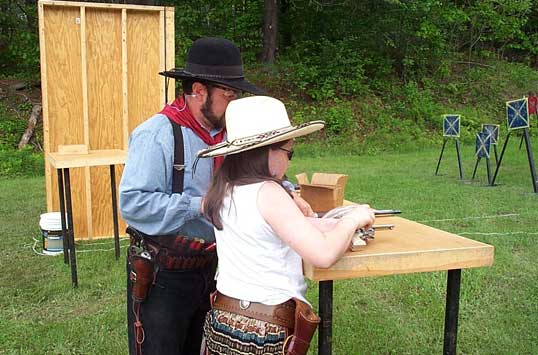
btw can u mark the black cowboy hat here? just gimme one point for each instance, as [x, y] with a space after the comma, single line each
[214, 60]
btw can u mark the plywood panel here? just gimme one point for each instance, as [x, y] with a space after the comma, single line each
[103, 47]
[144, 59]
[102, 217]
[78, 196]
[64, 74]
[104, 59]
[64, 91]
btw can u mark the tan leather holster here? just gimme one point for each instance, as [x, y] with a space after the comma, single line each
[306, 322]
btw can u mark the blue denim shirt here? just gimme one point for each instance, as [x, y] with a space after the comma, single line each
[145, 193]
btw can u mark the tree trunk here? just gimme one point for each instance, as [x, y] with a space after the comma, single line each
[270, 21]
[36, 113]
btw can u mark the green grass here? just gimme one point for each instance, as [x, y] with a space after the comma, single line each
[40, 313]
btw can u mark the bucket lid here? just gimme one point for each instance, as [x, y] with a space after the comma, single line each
[51, 221]
[50, 216]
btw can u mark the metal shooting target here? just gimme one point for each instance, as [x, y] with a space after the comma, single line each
[482, 145]
[493, 131]
[451, 125]
[517, 114]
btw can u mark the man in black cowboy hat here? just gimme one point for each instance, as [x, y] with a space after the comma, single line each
[172, 257]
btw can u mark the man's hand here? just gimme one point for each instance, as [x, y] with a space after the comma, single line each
[303, 205]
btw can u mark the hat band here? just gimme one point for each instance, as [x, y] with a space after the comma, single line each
[260, 137]
[218, 72]
[241, 144]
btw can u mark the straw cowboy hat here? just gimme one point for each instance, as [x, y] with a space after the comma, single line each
[214, 60]
[254, 122]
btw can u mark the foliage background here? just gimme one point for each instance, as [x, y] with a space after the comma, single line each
[380, 72]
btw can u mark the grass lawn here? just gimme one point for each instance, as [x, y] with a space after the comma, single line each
[40, 313]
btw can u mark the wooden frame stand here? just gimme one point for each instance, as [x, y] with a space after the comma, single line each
[99, 75]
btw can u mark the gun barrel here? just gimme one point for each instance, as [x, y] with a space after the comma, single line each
[378, 227]
[386, 212]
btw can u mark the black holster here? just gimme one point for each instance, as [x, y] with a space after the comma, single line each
[306, 323]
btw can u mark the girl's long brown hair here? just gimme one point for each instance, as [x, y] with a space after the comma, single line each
[243, 168]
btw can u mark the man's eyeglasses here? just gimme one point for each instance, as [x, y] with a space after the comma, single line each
[290, 153]
[228, 92]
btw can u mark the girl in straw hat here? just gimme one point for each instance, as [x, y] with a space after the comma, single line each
[261, 234]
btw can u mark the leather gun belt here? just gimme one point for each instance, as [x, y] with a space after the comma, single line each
[281, 314]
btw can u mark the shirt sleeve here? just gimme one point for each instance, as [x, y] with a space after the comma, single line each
[145, 193]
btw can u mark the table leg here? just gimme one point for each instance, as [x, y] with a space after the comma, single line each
[71, 234]
[326, 315]
[62, 215]
[115, 211]
[451, 311]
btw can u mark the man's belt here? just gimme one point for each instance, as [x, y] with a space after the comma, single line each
[176, 252]
[281, 314]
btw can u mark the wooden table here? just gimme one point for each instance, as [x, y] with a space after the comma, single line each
[63, 162]
[410, 247]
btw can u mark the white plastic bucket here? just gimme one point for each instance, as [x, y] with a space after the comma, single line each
[51, 231]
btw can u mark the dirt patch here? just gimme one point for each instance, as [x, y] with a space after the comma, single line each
[16, 92]
[17, 98]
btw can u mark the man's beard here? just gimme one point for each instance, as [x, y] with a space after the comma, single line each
[216, 121]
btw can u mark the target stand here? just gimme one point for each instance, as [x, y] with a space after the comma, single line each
[517, 117]
[451, 129]
[482, 150]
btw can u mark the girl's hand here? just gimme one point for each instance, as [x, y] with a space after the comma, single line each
[362, 215]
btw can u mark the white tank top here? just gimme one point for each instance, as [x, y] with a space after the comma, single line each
[254, 263]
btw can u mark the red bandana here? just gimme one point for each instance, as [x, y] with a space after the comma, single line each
[179, 112]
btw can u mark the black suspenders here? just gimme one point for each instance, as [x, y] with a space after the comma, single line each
[179, 159]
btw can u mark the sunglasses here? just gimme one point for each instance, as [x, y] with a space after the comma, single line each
[290, 153]
[228, 92]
